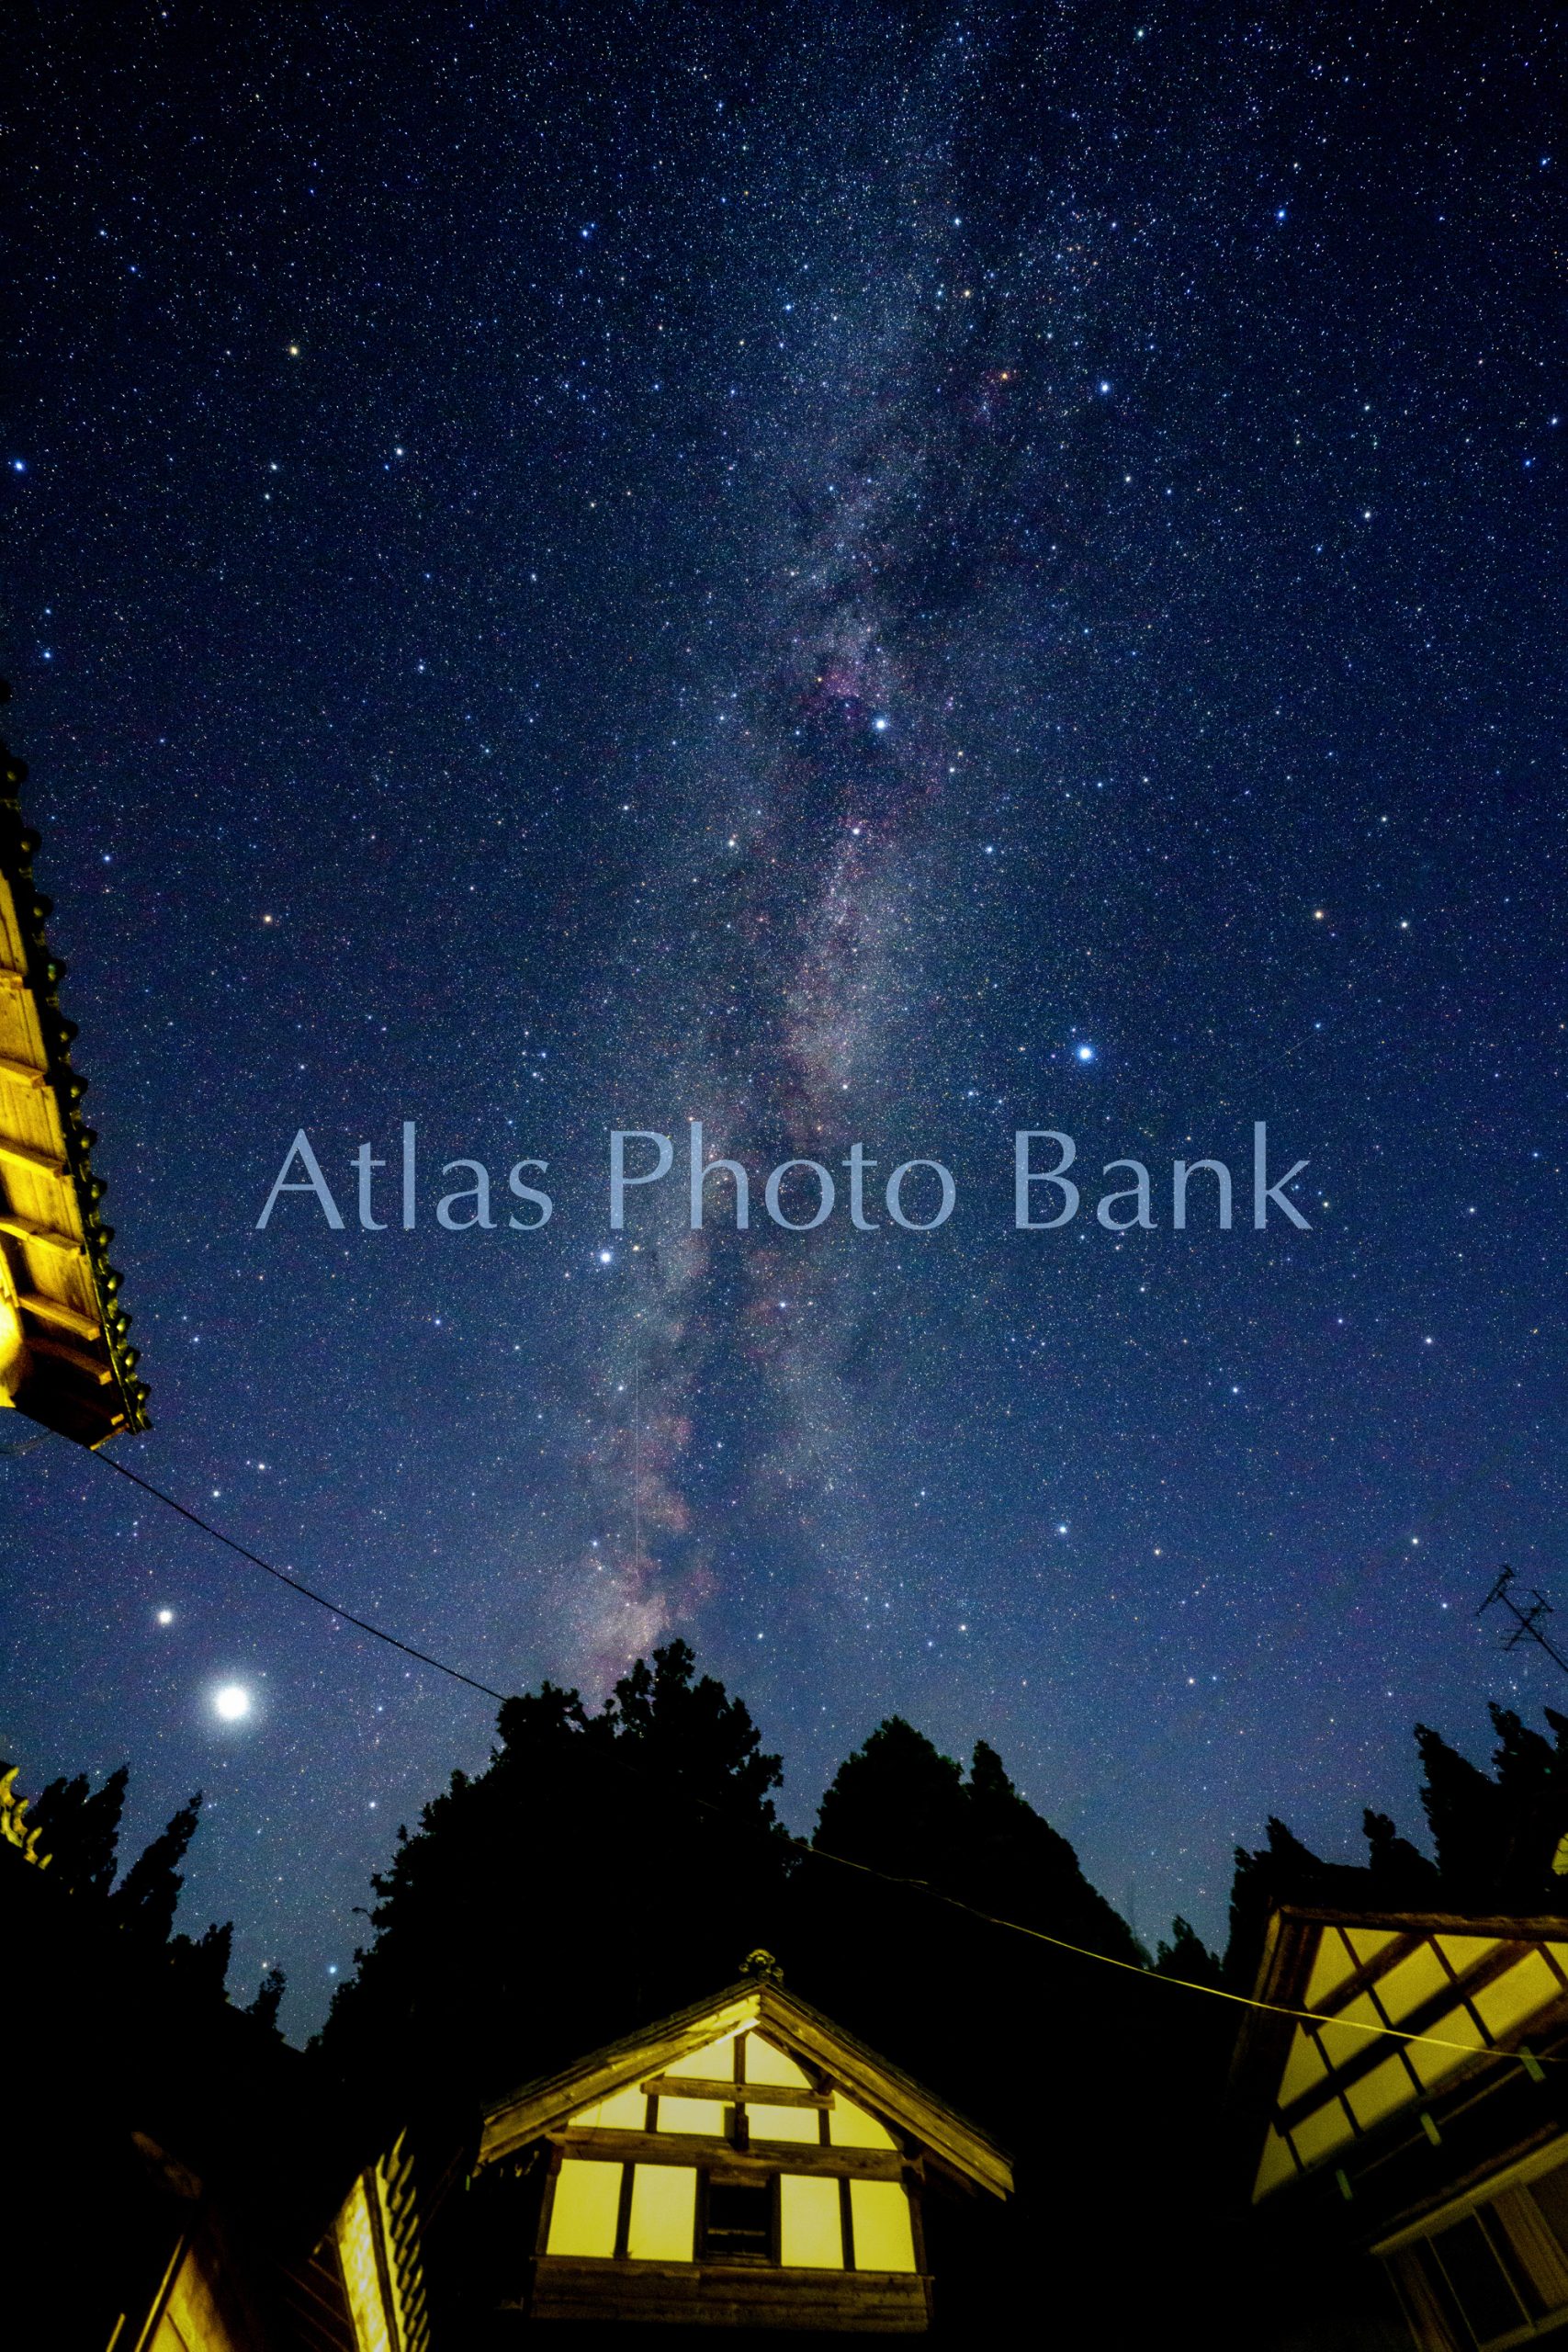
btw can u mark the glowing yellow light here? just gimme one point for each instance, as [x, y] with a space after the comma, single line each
[879, 2215]
[850, 2126]
[13, 1353]
[811, 2235]
[623, 2111]
[766, 2065]
[663, 2214]
[782, 2123]
[361, 2273]
[587, 2205]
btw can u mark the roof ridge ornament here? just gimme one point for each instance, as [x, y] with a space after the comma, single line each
[759, 1967]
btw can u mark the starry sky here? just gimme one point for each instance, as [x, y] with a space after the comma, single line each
[853, 573]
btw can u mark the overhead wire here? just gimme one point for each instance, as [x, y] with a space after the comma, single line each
[306, 1592]
[1316, 2018]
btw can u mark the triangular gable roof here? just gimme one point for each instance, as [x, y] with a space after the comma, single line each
[538, 2107]
[1310, 2091]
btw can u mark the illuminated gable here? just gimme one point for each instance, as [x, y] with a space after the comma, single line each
[745, 2159]
[1454, 1992]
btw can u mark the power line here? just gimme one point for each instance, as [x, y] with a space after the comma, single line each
[1526, 2059]
[377, 1632]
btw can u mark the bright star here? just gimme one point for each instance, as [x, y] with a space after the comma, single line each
[165, 1616]
[1084, 1053]
[232, 1702]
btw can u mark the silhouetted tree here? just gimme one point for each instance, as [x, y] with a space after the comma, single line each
[144, 1902]
[79, 1829]
[1400, 1876]
[1281, 1871]
[1048, 2048]
[897, 1803]
[1499, 1837]
[269, 1999]
[900, 1805]
[1188, 1956]
[201, 1962]
[603, 1868]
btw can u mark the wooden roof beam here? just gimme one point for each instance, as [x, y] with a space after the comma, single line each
[77, 1358]
[724, 2157]
[55, 1310]
[733, 2094]
[23, 1156]
[23, 1229]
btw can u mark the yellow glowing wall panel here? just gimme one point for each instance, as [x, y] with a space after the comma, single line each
[784, 2123]
[1327, 2126]
[1331, 1962]
[361, 2273]
[1430, 2059]
[1304, 2069]
[705, 2115]
[766, 2065]
[1379, 2093]
[1523, 1989]
[625, 2111]
[811, 2235]
[190, 2319]
[850, 2126]
[1338, 2035]
[714, 2058]
[1277, 2165]
[587, 2204]
[1367, 1942]
[1463, 1951]
[879, 2221]
[1411, 1982]
[663, 2214]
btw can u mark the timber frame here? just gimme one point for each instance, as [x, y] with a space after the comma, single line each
[1440, 2159]
[65, 1358]
[911, 2139]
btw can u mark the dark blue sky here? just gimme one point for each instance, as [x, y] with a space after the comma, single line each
[793, 567]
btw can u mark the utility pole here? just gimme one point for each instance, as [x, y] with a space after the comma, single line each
[1526, 1621]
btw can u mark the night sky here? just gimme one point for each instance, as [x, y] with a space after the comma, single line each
[853, 573]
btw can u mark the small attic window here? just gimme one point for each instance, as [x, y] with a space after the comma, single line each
[739, 2222]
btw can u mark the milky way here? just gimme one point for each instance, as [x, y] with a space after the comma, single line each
[860, 574]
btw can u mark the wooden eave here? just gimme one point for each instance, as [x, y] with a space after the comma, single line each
[76, 1371]
[1291, 1941]
[1290, 1945]
[534, 2108]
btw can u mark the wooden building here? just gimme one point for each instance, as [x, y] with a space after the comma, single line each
[178, 2178]
[186, 2182]
[65, 1355]
[1427, 2176]
[745, 2163]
